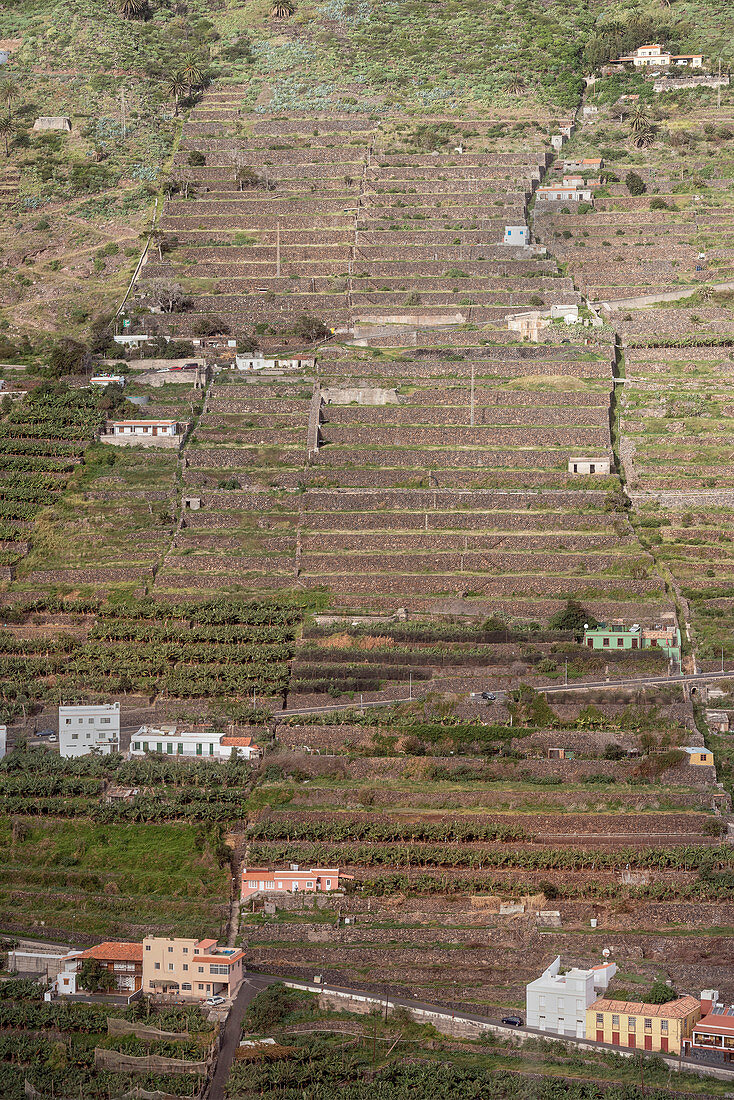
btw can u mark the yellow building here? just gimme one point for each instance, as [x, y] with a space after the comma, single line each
[647, 1027]
[699, 757]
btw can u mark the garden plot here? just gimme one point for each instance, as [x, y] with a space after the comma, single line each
[54, 1046]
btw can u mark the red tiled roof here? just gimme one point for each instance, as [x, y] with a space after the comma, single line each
[114, 952]
[673, 1010]
[239, 742]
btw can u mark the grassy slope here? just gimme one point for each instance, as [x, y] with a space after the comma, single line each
[109, 882]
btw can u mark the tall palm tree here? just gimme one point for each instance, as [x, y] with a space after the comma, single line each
[133, 9]
[9, 90]
[644, 137]
[191, 72]
[175, 87]
[6, 129]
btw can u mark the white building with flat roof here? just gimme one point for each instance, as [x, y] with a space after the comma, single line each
[89, 728]
[196, 744]
[557, 1002]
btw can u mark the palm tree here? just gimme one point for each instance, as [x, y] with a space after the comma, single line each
[191, 72]
[6, 129]
[282, 9]
[640, 119]
[644, 137]
[133, 9]
[516, 84]
[175, 86]
[9, 90]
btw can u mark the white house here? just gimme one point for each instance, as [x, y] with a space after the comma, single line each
[192, 744]
[559, 192]
[107, 380]
[144, 428]
[518, 235]
[244, 362]
[558, 1002]
[86, 728]
[589, 465]
[654, 54]
[3, 741]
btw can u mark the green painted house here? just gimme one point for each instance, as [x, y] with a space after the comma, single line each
[616, 636]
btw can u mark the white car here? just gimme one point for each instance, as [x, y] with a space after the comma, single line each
[213, 1001]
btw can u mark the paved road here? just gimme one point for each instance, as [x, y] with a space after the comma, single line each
[583, 685]
[251, 986]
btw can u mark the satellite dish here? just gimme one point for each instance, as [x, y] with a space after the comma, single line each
[586, 626]
[606, 952]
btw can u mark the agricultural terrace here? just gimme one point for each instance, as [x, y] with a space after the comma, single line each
[58, 1049]
[84, 882]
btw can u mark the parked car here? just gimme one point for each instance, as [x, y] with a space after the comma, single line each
[489, 696]
[212, 1001]
[512, 1021]
[46, 733]
[189, 366]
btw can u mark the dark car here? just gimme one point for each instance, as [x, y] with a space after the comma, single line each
[46, 733]
[512, 1021]
[489, 696]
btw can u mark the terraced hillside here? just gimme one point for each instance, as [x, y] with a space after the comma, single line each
[668, 297]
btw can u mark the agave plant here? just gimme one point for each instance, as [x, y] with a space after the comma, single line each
[282, 9]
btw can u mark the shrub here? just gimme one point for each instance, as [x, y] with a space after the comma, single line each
[658, 204]
[572, 617]
[635, 184]
[197, 159]
[660, 993]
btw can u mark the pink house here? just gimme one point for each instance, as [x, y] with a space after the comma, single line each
[292, 880]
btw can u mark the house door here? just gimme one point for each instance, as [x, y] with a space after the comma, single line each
[631, 1039]
[155, 430]
[664, 1044]
[599, 1035]
[648, 1042]
[615, 1038]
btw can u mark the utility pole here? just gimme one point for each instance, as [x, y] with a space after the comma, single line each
[718, 90]
[277, 250]
[410, 682]
[566, 678]
[122, 105]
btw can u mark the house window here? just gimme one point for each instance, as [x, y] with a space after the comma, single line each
[157, 966]
[104, 721]
[216, 968]
[600, 1018]
[620, 641]
[309, 886]
[169, 748]
[199, 748]
[200, 986]
[632, 1023]
[67, 721]
[663, 1025]
[648, 1025]
[136, 745]
[605, 641]
[328, 884]
[201, 969]
[170, 950]
[179, 749]
[147, 947]
[170, 966]
[185, 966]
[145, 746]
[75, 736]
[615, 1021]
[185, 950]
[186, 985]
[211, 750]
